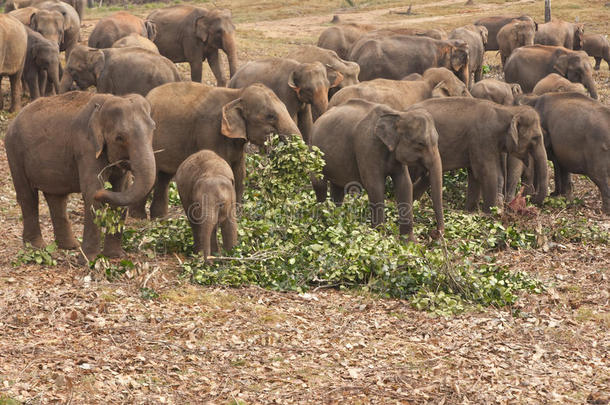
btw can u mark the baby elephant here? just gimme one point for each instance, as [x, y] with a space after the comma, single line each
[206, 187]
[555, 83]
[497, 91]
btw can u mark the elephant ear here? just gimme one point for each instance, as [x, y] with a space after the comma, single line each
[33, 24]
[233, 123]
[561, 65]
[151, 30]
[385, 129]
[97, 60]
[96, 129]
[440, 90]
[334, 76]
[202, 28]
[512, 138]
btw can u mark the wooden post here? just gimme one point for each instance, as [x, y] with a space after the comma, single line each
[547, 11]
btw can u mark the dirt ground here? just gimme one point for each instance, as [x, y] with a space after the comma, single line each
[67, 335]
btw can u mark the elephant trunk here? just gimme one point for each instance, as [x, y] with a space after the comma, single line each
[53, 74]
[66, 82]
[464, 75]
[42, 83]
[287, 127]
[319, 103]
[435, 169]
[541, 169]
[590, 85]
[228, 45]
[142, 162]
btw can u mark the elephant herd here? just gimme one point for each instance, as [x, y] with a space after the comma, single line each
[398, 102]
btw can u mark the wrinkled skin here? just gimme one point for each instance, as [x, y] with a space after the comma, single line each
[71, 27]
[136, 40]
[496, 91]
[529, 64]
[110, 29]
[78, 5]
[191, 116]
[302, 87]
[401, 94]
[60, 144]
[193, 34]
[334, 65]
[476, 134]
[560, 33]
[118, 70]
[13, 50]
[340, 38]
[206, 187]
[41, 64]
[514, 35]
[577, 137]
[554, 83]
[476, 38]
[597, 46]
[495, 23]
[397, 56]
[50, 24]
[363, 143]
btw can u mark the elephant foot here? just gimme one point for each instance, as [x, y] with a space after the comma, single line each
[158, 213]
[36, 241]
[87, 256]
[67, 244]
[114, 252]
[137, 213]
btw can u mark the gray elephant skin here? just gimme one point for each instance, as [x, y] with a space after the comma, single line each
[41, 64]
[363, 143]
[515, 35]
[118, 70]
[192, 116]
[136, 40]
[495, 23]
[476, 38]
[555, 83]
[83, 133]
[112, 28]
[496, 91]
[78, 5]
[341, 37]
[193, 34]
[560, 33]
[13, 50]
[597, 46]
[207, 191]
[529, 64]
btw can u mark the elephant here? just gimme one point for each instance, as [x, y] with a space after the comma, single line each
[529, 64]
[207, 190]
[334, 65]
[476, 38]
[386, 32]
[495, 23]
[477, 134]
[118, 70]
[136, 40]
[400, 94]
[553, 83]
[41, 64]
[191, 116]
[496, 91]
[340, 38]
[302, 87]
[597, 46]
[365, 142]
[193, 34]
[48, 23]
[577, 137]
[13, 51]
[560, 33]
[513, 35]
[112, 28]
[78, 5]
[71, 28]
[72, 143]
[397, 56]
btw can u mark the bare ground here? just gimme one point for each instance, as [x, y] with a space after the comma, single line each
[69, 336]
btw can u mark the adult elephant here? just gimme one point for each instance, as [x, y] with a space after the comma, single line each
[192, 116]
[529, 64]
[496, 91]
[395, 57]
[50, 24]
[495, 23]
[476, 134]
[41, 64]
[13, 50]
[118, 70]
[335, 66]
[193, 34]
[476, 38]
[67, 144]
[515, 35]
[363, 143]
[136, 40]
[302, 87]
[400, 94]
[598, 47]
[577, 137]
[555, 83]
[560, 33]
[78, 5]
[71, 27]
[340, 38]
[112, 28]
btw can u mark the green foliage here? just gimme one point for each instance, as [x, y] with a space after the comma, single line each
[36, 256]
[148, 293]
[160, 237]
[486, 69]
[112, 269]
[287, 241]
[4, 400]
[174, 197]
[111, 220]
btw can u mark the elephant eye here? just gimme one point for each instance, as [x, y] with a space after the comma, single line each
[271, 117]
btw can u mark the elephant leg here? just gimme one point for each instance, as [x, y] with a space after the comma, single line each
[41, 81]
[160, 201]
[420, 186]
[31, 80]
[557, 177]
[598, 62]
[566, 183]
[196, 70]
[337, 194]
[61, 224]
[112, 241]
[91, 232]
[1, 94]
[229, 232]
[15, 91]
[28, 200]
[214, 239]
[196, 228]
[403, 188]
[214, 62]
[305, 122]
[478, 74]
[239, 173]
[601, 181]
[514, 171]
[320, 186]
[489, 186]
[473, 193]
[375, 187]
